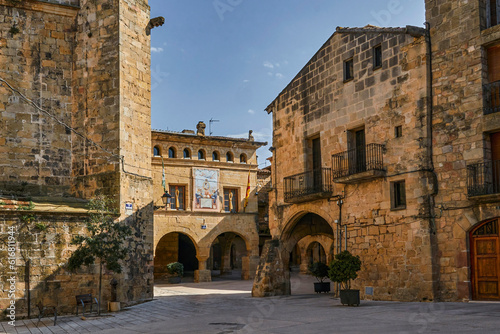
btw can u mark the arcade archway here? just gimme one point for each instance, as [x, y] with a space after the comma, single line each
[175, 247]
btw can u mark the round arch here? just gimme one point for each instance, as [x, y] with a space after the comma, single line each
[175, 247]
[304, 224]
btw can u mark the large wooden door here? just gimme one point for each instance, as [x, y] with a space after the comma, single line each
[485, 261]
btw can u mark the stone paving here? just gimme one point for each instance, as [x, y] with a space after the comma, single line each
[224, 307]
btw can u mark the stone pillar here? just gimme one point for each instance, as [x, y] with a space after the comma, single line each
[271, 279]
[245, 268]
[202, 274]
[225, 247]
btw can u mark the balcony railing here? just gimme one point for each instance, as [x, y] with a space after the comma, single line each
[483, 178]
[359, 161]
[307, 186]
[491, 93]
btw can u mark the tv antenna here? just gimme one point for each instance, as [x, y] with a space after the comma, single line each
[210, 124]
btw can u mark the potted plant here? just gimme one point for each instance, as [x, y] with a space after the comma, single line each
[342, 270]
[175, 270]
[320, 271]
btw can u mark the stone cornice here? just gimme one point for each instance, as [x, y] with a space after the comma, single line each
[44, 6]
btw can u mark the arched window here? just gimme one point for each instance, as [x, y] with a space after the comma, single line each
[171, 152]
[215, 156]
[229, 157]
[201, 155]
[156, 151]
[187, 154]
[243, 159]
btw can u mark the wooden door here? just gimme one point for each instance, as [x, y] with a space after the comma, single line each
[485, 261]
[360, 151]
[316, 164]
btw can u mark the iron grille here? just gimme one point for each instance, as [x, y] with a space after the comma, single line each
[308, 183]
[483, 178]
[356, 161]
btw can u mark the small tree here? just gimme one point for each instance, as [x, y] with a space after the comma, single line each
[175, 269]
[344, 269]
[104, 241]
[318, 270]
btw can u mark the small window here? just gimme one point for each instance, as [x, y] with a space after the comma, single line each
[349, 69]
[377, 57]
[187, 154]
[231, 200]
[178, 200]
[156, 151]
[215, 156]
[243, 159]
[171, 153]
[398, 131]
[398, 195]
[201, 155]
[229, 157]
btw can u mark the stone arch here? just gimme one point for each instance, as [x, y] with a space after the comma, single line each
[202, 154]
[215, 155]
[157, 151]
[172, 152]
[243, 158]
[229, 156]
[175, 247]
[326, 241]
[186, 153]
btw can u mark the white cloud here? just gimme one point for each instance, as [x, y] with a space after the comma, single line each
[270, 74]
[153, 49]
[246, 80]
[251, 111]
[268, 64]
[262, 135]
[279, 75]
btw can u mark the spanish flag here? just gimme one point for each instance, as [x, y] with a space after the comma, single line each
[248, 193]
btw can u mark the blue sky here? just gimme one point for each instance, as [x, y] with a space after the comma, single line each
[228, 59]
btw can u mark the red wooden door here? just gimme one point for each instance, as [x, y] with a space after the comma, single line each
[485, 261]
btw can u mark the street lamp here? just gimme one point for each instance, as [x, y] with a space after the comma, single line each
[166, 198]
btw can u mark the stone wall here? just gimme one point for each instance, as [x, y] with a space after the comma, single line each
[394, 245]
[460, 133]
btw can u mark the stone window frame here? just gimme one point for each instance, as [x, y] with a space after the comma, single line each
[398, 195]
[229, 157]
[377, 65]
[217, 155]
[157, 151]
[349, 69]
[243, 158]
[203, 154]
[186, 153]
[172, 152]
[236, 199]
[398, 131]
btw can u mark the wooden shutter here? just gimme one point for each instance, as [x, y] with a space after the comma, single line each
[494, 63]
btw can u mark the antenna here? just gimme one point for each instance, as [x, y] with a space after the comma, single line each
[210, 124]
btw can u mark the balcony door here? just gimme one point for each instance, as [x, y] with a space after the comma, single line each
[495, 159]
[316, 163]
[492, 92]
[357, 151]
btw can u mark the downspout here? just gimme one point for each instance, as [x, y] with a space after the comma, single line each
[430, 161]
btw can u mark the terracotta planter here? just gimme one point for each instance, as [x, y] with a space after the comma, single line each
[114, 306]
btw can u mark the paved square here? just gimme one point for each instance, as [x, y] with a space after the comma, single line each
[224, 307]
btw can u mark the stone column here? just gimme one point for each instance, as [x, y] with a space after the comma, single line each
[225, 246]
[245, 268]
[202, 274]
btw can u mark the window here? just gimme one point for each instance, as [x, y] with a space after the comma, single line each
[215, 156]
[349, 69]
[171, 153]
[243, 159]
[178, 200]
[398, 131]
[201, 155]
[187, 154]
[377, 57]
[156, 151]
[231, 200]
[398, 195]
[229, 157]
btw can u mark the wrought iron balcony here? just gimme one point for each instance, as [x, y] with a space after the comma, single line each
[483, 178]
[359, 164]
[308, 186]
[491, 94]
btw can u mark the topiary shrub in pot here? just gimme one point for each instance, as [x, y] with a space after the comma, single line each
[175, 271]
[320, 271]
[342, 270]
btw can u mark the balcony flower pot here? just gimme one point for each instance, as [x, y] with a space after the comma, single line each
[320, 271]
[342, 270]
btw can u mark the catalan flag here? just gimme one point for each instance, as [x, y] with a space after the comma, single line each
[248, 193]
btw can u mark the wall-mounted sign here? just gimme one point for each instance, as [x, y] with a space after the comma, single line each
[129, 208]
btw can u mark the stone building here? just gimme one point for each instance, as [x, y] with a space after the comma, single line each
[206, 225]
[75, 122]
[395, 137]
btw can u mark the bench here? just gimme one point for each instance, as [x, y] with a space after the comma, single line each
[44, 309]
[84, 300]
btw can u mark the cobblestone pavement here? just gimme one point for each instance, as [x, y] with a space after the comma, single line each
[224, 307]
